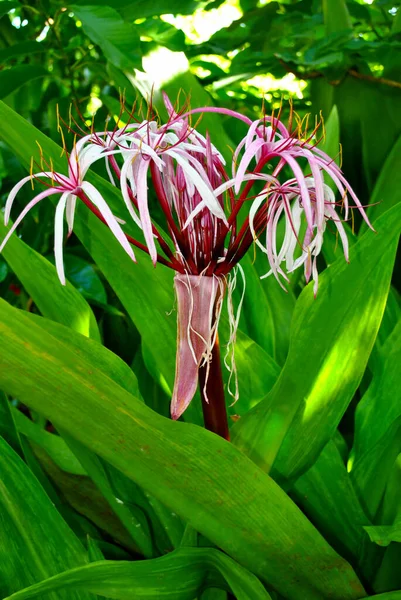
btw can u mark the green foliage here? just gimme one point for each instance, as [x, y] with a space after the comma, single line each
[101, 494]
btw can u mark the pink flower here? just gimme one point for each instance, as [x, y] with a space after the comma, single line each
[71, 187]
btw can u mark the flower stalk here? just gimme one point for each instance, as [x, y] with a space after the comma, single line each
[211, 388]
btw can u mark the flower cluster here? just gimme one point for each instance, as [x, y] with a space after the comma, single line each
[277, 174]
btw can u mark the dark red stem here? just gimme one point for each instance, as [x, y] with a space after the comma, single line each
[211, 387]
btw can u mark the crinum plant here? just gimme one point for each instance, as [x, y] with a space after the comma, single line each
[213, 214]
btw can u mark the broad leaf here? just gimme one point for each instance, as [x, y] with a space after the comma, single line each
[383, 535]
[386, 192]
[118, 39]
[378, 426]
[181, 575]
[12, 79]
[36, 542]
[193, 472]
[22, 49]
[39, 277]
[326, 495]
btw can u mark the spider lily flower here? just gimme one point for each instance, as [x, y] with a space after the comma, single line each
[201, 202]
[285, 202]
[71, 187]
[303, 202]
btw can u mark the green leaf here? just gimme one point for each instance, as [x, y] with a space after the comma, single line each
[12, 79]
[282, 304]
[383, 535]
[387, 596]
[53, 444]
[257, 311]
[326, 495]
[193, 472]
[138, 9]
[6, 6]
[133, 519]
[39, 277]
[180, 575]
[92, 351]
[327, 356]
[8, 430]
[22, 49]
[336, 16]
[386, 192]
[82, 497]
[256, 370]
[378, 426]
[3, 270]
[118, 39]
[38, 541]
[111, 483]
[331, 142]
[84, 277]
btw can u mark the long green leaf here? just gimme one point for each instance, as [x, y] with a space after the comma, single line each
[53, 444]
[195, 473]
[120, 494]
[22, 49]
[386, 192]
[387, 596]
[35, 541]
[63, 304]
[8, 429]
[14, 78]
[378, 426]
[180, 575]
[383, 535]
[336, 16]
[326, 495]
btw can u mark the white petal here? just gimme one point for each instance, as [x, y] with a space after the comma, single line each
[126, 175]
[27, 208]
[58, 236]
[16, 189]
[204, 190]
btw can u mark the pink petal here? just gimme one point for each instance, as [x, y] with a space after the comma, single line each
[196, 298]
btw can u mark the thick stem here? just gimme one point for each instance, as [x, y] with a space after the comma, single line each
[211, 387]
